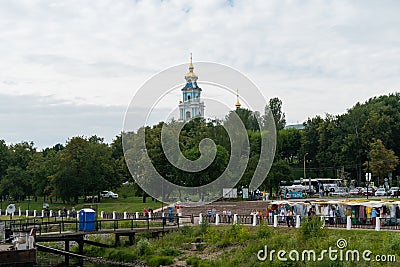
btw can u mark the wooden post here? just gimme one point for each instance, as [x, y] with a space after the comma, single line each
[117, 240]
[80, 244]
[66, 249]
[132, 239]
[80, 249]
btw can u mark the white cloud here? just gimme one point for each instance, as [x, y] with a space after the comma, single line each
[317, 56]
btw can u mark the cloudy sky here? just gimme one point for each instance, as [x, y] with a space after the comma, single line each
[71, 68]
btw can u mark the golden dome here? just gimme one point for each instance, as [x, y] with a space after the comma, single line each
[191, 68]
[237, 105]
[191, 74]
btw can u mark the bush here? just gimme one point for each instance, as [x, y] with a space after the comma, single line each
[143, 247]
[264, 231]
[121, 255]
[169, 252]
[160, 261]
[193, 261]
[312, 227]
[186, 230]
[204, 226]
[239, 233]
[224, 242]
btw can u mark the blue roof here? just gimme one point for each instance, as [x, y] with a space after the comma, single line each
[189, 86]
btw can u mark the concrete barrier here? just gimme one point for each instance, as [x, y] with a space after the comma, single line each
[348, 226]
[378, 224]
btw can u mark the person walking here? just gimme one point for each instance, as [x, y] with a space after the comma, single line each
[374, 214]
[289, 218]
[229, 216]
[260, 216]
[332, 216]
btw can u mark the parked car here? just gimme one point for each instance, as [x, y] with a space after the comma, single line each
[340, 192]
[108, 194]
[369, 192]
[354, 192]
[394, 191]
[380, 192]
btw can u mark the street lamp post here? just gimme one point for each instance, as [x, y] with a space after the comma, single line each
[309, 181]
[367, 175]
[162, 198]
[367, 180]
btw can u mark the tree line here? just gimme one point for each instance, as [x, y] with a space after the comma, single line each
[364, 139]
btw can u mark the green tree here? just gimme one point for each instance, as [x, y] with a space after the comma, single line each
[4, 158]
[85, 168]
[310, 141]
[15, 183]
[383, 160]
[289, 144]
[21, 154]
[249, 118]
[101, 168]
[42, 165]
[280, 171]
[275, 105]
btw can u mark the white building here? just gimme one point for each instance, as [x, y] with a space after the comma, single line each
[191, 105]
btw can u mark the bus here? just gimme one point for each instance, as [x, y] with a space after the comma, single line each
[293, 191]
[331, 184]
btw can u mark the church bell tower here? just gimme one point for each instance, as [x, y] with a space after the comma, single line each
[191, 105]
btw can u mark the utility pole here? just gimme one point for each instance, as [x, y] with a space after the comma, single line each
[368, 174]
[304, 161]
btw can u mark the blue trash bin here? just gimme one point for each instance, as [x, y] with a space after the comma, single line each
[87, 219]
[170, 215]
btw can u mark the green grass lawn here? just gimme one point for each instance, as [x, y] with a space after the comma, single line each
[126, 202]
